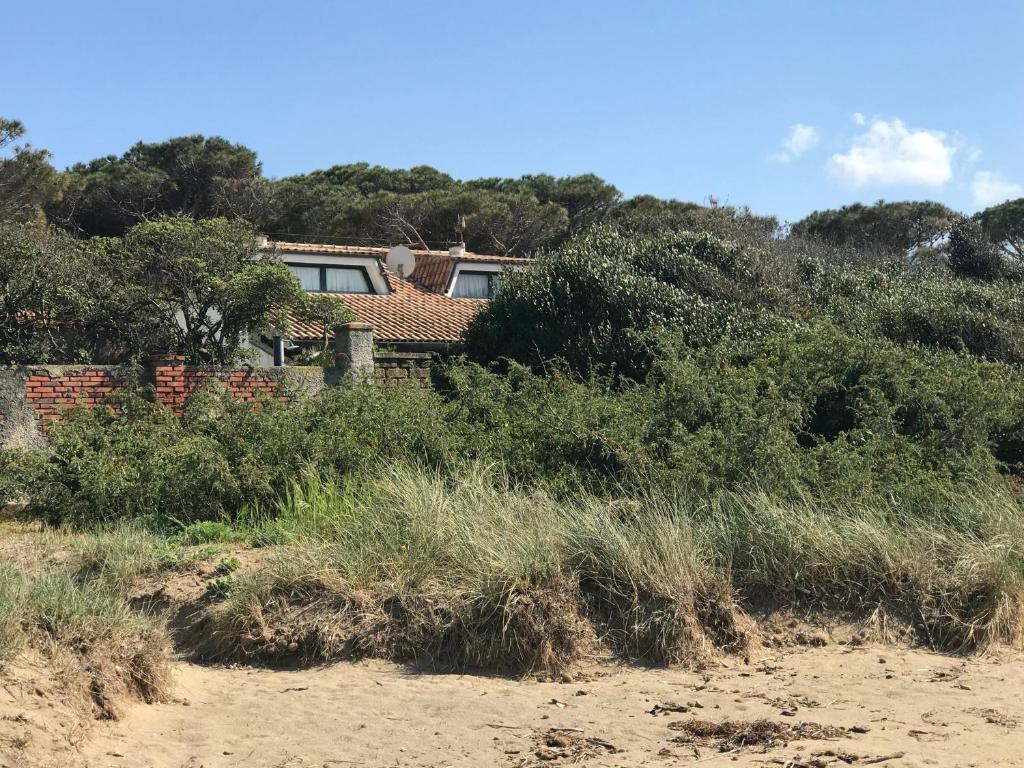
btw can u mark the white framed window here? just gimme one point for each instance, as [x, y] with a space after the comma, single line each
[346, 280]
[316, 279]
[309, 277]
[476, 285]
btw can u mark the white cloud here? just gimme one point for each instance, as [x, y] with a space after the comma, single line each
[859, 119]
[799, 139]
[889, 152]
[989, 188]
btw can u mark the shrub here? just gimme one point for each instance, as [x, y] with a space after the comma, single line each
[352, 428]
[555, 428]
[596, 302]
[104, 466]
[135, 459]
[19, 471]
[808, 409]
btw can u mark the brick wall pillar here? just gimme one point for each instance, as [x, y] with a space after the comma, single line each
[353, 350]
[167, 374]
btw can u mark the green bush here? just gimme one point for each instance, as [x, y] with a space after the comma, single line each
[597, 302]
[809, 409]
[971, 253]
[104, 465]
[135, 459]
[19, 471]
[823, 412]
[916, 310]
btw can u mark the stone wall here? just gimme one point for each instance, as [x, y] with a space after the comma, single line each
[391, 369]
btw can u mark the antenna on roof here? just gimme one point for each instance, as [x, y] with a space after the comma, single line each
[460, 227]
[401, 261]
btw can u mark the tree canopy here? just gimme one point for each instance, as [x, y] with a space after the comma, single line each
[604, 302]
[27, 180]
[1004, 225]
[897, 227]
[150, 250]
[170, 285]
[426, 208]
[203, 289]
[191, 176]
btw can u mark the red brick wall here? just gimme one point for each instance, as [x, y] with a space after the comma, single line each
[174, 382]
[51, 391]
[31, 397]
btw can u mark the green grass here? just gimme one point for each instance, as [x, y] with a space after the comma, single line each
[465, 568]
[119, 554]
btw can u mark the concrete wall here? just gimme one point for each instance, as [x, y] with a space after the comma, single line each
[354, 351]
[19, 423]
[359, 359]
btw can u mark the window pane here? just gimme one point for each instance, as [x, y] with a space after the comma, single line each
[347, 280]
[309, 277]
[473, 286]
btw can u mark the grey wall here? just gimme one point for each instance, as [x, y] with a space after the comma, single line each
[18, 425]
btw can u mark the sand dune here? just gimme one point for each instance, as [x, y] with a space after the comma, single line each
[824, 706]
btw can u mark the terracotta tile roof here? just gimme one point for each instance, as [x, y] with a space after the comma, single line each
[416, 310]
[409, 313]
[382, 251]
[433, 268]
[341, 250]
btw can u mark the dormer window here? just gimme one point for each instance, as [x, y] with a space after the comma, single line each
[317, 279]
[476, 285]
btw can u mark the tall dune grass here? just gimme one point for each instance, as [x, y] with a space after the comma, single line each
[108, 650]
[464, 568]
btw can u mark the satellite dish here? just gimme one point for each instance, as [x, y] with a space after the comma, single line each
[400, 261]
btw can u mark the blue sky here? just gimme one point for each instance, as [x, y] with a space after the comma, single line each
[783, 106]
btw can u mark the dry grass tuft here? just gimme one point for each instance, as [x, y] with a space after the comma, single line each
[100, 647]
[525, 628]
[736, 734]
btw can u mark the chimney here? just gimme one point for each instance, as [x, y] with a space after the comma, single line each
[457, 251]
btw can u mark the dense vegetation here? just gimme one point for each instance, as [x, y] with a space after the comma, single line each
[97, 262]
[675, 408]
